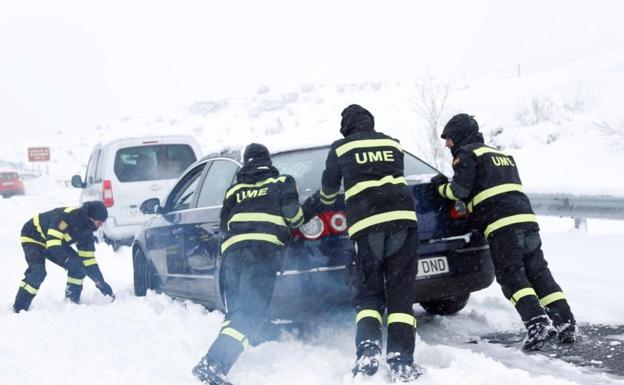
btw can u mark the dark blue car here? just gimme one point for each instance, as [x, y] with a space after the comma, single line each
[177, 251]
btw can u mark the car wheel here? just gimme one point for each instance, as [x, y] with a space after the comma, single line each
[446, 306]
[143, 277]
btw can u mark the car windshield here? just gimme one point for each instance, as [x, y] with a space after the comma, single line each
[144, 163]
[307, 166]
[7, 175]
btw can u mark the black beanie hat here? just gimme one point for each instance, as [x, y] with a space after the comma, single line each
[356, 118]
[459, 127]
[256, 153]
[95, 210]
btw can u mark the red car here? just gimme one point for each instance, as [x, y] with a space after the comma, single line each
[10, 184]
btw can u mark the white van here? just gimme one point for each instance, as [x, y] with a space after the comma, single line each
[125, 172]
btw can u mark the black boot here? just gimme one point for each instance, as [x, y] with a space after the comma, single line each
[23, 299]
[404, 371]
[368, 359]
[72, 292]
[563, 320]
[210, 373]
[539, 330]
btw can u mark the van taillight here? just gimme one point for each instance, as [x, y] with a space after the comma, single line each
[107, 193]
[459, 210]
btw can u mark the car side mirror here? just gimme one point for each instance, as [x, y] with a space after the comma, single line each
[77, 182]
[151, 206]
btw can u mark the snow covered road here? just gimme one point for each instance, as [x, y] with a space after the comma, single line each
[155, 340]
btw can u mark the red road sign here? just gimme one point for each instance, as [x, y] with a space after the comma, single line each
[38, 154]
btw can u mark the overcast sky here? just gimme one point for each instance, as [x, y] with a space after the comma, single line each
[71, 64]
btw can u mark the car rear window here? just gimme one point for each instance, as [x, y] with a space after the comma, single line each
[8, 175]
[153, 162]
[307, 166]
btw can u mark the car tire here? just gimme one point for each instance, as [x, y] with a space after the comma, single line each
[143, 276]
[446, 306]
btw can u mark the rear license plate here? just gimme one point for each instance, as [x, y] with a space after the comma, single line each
[432, 266]
[132, 214]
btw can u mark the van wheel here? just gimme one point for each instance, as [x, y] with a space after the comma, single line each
[446, 306]
[143, 275]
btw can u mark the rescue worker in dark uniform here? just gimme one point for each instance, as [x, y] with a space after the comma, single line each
[258, 212]
[50, 235]
[382, 222]
[487, 180]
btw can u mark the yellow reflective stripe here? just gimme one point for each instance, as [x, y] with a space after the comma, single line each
[448, 192]
[53, 242]
[38, 226]
[29, 288]
[257, 217]
[74, 281]
[380, 218]
[55, 233]
[328, 196]
[68, 237]
[86, 254]
[297, 217]
[402, 318]
[552, 297]
[30, 240]
[368, 143]
[515, 297]
[89, 262]
[69, 209]
[368, 313]
[237, 336]
[361, 186]
[485, 150]
[328, 201]
[239, 186]
[225, 323]
[492, 191]
[513, 219]
[250, 237]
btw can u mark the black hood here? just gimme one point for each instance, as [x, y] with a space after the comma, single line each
[257, 154]
[95, 210]
[251, 173]
[356, 118]
[463, 129]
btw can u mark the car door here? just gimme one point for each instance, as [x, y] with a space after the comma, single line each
[92, 189]
[203, 234]
[165, 238]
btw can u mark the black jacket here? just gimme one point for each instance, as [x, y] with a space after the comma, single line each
[261, 207]
[376, 192]
[488, 181]
[58, 229]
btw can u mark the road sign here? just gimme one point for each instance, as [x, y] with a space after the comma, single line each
[38, 154]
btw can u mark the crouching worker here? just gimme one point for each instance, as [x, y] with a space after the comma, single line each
[258, 212]
[50, 235]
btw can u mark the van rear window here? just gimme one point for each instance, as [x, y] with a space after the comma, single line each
[7, 175]
[144, 163]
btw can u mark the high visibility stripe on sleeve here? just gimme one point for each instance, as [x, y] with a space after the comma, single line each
[366, 143]
[89, 262]
[53, 242]
[328, 196]
[517, 296]
[552, 297]
[361, 186]
[56, 234]
[381, 218]
[510, 220]
[74, 281]
[257, 217]
[328, 202]
[239, 186]
[28, 288]
[297, 220]
[370, 313]
[484, 150]
[445, 191]
[402, 318]
[228, 331]
[30, 240]
[251, 237]
[38, 226]
[493, 191]
[69, 209]
[86, 254]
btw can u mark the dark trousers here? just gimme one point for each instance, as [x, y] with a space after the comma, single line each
[524, 276]
[386, 265]
[248, 277]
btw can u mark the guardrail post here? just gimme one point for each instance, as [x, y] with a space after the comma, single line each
[581, 224]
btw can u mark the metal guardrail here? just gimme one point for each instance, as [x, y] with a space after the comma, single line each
[578, 207]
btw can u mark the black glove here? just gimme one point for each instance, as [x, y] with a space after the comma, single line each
[311, 206]
[105, 289]
[439, 179]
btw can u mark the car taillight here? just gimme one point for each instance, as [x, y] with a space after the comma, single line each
[459, 210]
[107, 193]
[326, 223]
[313, 229]
[337, 221]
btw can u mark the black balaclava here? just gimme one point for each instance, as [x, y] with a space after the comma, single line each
[463, 129]
[257, 164]
[95, 210]
[356, 118]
